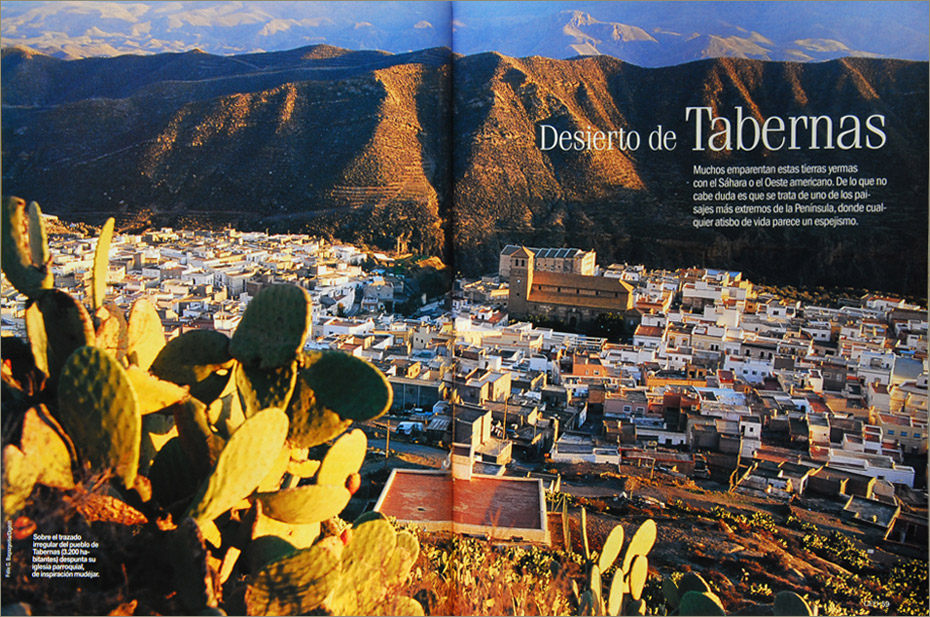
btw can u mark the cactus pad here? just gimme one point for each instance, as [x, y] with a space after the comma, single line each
[584, 534]
[372, 542]
[346, 385]
[700, 603]
[344, 458]
[295, 584]
[266, 549]
[402, 559]
[366, 563]
[17, 254]
[273, 480]
[297, 535]
[636, 579]
[45, 448]
[641, 542]
[192, 358]
[38, 239]
[171, 475]
[670, 591]
[273, 328]
[225, 413]
[303, 469]
[596, 585]
[790, 603]
[636, 607]
[152, 393]
[99, 411]
[200, 442]
[101, 264]
[193, 576]
[311, 424]
[611, 549]
[146, 335]
[19, 477]
[64, 326]
[587, 604]
[157, 430]
[243, 463]
[566, 528]
[311, 503]
[692, 581]
[261, 388]
[112, 331]
[615, 600]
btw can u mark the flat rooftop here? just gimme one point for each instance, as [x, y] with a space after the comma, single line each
[499, 507]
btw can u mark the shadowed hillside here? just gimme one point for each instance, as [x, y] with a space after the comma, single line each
[365, 146]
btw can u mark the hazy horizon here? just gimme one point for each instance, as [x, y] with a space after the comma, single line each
[647, 33]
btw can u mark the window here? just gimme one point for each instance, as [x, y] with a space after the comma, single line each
[891, 433]
[903, 433]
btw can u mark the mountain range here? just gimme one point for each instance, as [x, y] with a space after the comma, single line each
[657, 34]
[443, 151]
[645, 33]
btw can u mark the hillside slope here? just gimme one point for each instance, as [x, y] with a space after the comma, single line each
[367, 146]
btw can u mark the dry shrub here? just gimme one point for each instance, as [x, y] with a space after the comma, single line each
[475, 578]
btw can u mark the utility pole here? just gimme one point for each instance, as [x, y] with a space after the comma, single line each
[387, 440]
[505, 418]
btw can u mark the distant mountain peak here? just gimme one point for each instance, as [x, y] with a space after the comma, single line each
[323, 51]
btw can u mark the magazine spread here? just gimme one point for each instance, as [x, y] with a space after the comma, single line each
[475, 308]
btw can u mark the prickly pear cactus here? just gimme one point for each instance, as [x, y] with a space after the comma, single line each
[273, 328]
[700, 603]
[201, 427]
[46, 447]
[629, 579]
[101, 264]
[641, 543]
[636, 578]
[261, 388]
[611, 549]
[352, 388]
[146, 337]
[296, 584]
[344, 458]
[790, 603]
[172, 477]
[242, 465]
[311, 424]
[57, 325]
[201, 443]
[38, 239]
[617, 588]
[195, 359]
[112, 333]
[670, 591]
[152, 393]
[365, 561]
[19, 257]
[98, 408]
[19, 477]
[311, 503]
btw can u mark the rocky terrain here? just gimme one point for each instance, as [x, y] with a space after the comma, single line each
[441, 150]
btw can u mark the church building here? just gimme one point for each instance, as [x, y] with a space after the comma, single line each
[574, 299]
